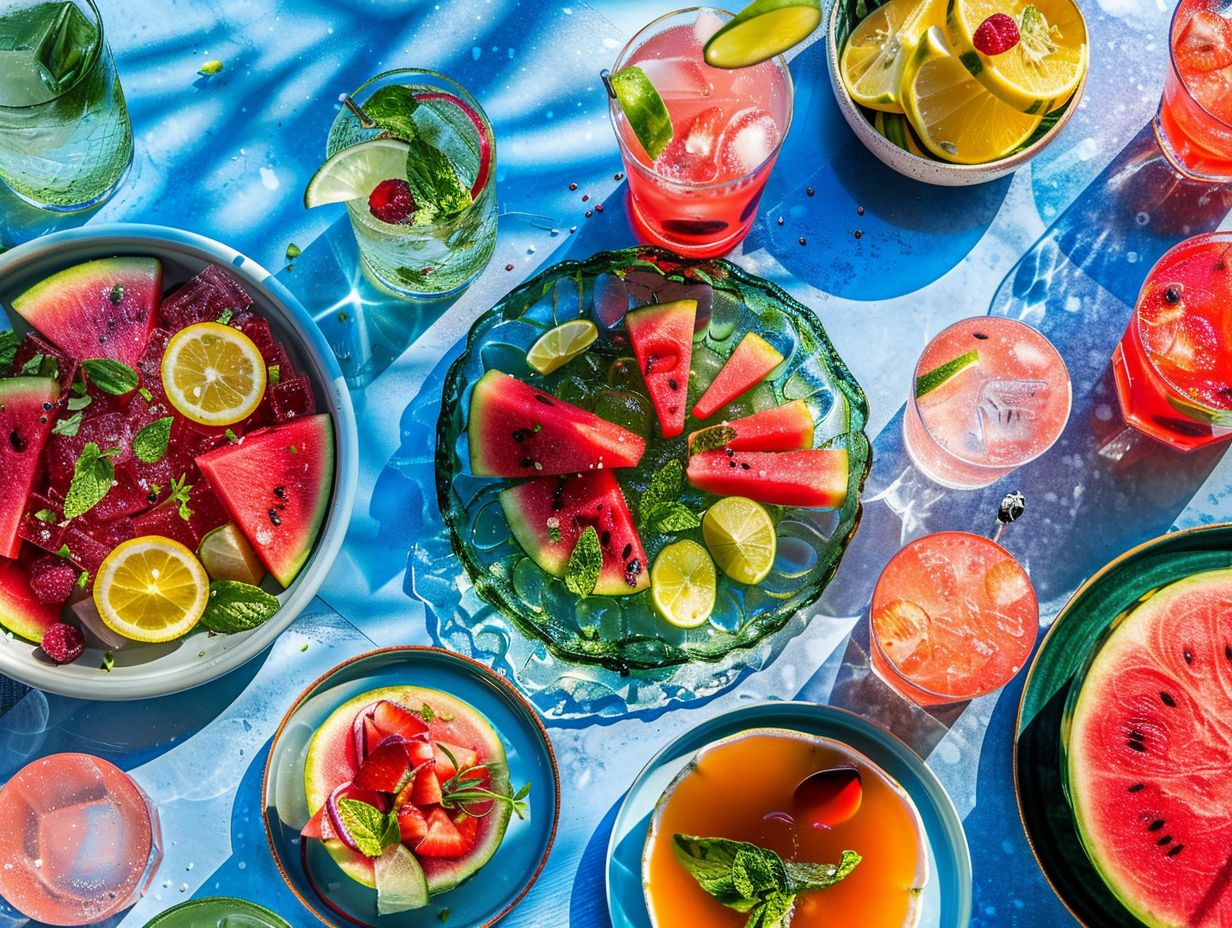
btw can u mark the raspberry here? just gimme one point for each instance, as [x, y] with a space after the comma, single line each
[996, 35]
[391, 201]
[63, 643]
[52, 579]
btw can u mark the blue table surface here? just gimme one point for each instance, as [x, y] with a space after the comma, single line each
[1063, 244]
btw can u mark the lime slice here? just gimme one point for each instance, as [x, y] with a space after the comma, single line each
[741, 538]
[760, 31]
[682, 584]
[355, 171]
[226, 555]
[878, 49]
[956, 117]
[927, 383]
[644, 108]
[1043, 70]
[558, 346]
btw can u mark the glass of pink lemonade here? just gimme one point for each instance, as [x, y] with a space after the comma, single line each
[79, 840]
[954, 616]
[1194, 122]
[700, 196]
[990, 395]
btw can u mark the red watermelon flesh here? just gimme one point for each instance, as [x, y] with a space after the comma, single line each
[203, 299]
[809, 479]
[275, 484]
[45, 533]
[662, 339]
[99, 309]
[748, 366]
[549, 514]
[111, 431]
[514, 430]
[1149, 756]
[26, 419]
[788, 427]
[20, 611]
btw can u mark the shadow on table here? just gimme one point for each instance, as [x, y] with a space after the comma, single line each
[587, 901]
[20, 222]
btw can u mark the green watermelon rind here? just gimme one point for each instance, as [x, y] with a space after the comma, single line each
[443, 878]
[1124, 636]
[36, 391]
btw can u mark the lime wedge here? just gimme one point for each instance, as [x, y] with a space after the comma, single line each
[682, 584]
[927, 383]
[760, 31]
[353, 172]
[741, 538]
[644, 108]
[558, 346]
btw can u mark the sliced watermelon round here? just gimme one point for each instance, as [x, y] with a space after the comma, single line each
[548, 515]
[809, 479]
[100, 309]
[1149, 756]
[788, 427]
[331, 762]
[275, 484]
[662, 339]
[514, 430]
[26, 419]
[20, 611]
[748, 366]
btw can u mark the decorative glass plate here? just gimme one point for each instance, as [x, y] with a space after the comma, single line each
[623, 634]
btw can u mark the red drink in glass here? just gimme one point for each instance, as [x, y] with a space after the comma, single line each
[700, 196]
[1173, 366]
[1194, 123]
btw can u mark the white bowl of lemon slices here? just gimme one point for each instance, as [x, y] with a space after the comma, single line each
[957, 93]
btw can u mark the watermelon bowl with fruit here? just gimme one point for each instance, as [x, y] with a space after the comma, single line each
[180, 464]
[648, 465]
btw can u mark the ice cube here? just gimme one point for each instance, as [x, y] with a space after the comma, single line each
[691, 154]
[1006, 583]
[677, 78]
[705, 26]
[86, 849]
[68, 45]
[902, 628]
[1184, 340]
[747, 141]
[611, 300]
[1205, 43]
[1007, 412]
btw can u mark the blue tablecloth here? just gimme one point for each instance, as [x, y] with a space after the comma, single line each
[1064, 244]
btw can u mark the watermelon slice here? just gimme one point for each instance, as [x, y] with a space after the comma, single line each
[26, 418]
[99, 309]
[1149, 756]
[547, 516]
[514, 430]
[662, 339]
[20, 611]
[748, 366]
[788, 427]
[809, 479]
[331, 763]
[275, 483]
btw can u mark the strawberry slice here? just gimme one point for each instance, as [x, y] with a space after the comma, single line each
[393, 719]
[1206, 42]
[425, 787]
[387, 769]
[464, 756]
[444, 838]
[413, 825]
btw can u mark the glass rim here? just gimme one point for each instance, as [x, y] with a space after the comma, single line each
[86, 69]
[875, 642]
[614, 109]
[1176, 71]
[984, 465]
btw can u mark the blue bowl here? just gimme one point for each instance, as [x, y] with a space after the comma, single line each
[156, 670]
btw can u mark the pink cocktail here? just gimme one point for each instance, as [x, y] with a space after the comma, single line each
[79, 840]
[1194, 123]
[700, 196]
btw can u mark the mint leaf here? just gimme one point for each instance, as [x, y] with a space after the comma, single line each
[585, 563]
[773, 911]
[808, 877]
[181, 491]
[67, 427]
[371, 830]
[79, 402]
[117, 294]
[146, 395]
[237, 607]
[665, 487]
[273, 374]
[391, 108]
[710, 861]
[438, 192]
[9, 341]
[108, 661]
[225, 317]
[713, 438]
[150, 444]
[293, 252]
[46, 515]
[93, 475]
[672, 517]
[114, 377]
[757, 871]
[428, 714]
[39, 365]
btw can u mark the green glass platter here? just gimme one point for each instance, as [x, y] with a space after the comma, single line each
[1057, 670]
[623, 633]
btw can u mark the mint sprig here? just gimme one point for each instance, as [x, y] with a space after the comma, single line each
[463, 790]
[93, 475]
[371, 830]
[659, 508]
[585, 563]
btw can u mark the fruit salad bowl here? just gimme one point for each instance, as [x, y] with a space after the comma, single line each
[112, 667]
[625, 633]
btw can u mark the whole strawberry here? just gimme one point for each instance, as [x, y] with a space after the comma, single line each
[391, 201]
[996, 35]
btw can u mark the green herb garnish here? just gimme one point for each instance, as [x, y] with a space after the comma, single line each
[150, 443]
[463, 790]
[714, 438]
[93, 475]
[372, 831]
[9, 342]
[67, 427]
[108, 661]
[273, 374]
[180, 490]
[585, 563]
[225, 317]
[237, 607]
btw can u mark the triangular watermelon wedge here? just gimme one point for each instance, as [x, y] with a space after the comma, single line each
[662, 339]
[275, 483]
[99, 309]
[748, 365]
[25, 424]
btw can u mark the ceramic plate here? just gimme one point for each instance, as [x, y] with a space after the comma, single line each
[215, 911]
[947, 895]
[492, 892]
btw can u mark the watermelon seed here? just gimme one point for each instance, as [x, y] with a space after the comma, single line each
[520, 435]
[1137, 787]
[1136, 736]
[1227, 651]
[1167, 700]
[627, 551]
[544, 400]
[745, 466]
[274, 517]
[605, 539]
[1176, 850]
[729, 452]
[280, 492]
[633, 570]
[18, 443]
[1155, 825]
[526, 462]
[1188, 654]
[1164, 841]
[1137, 746]
[980, 335]
[673, 383]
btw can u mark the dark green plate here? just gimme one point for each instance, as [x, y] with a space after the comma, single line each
[1038, 768]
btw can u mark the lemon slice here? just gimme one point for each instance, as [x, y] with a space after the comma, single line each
[558, 346]
[741, 538]
[213, 374]
[878, 49]
[354, 172]
[151, 589]
[760, 31]
[956, 117]
[1042, 71]
[682, 584]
